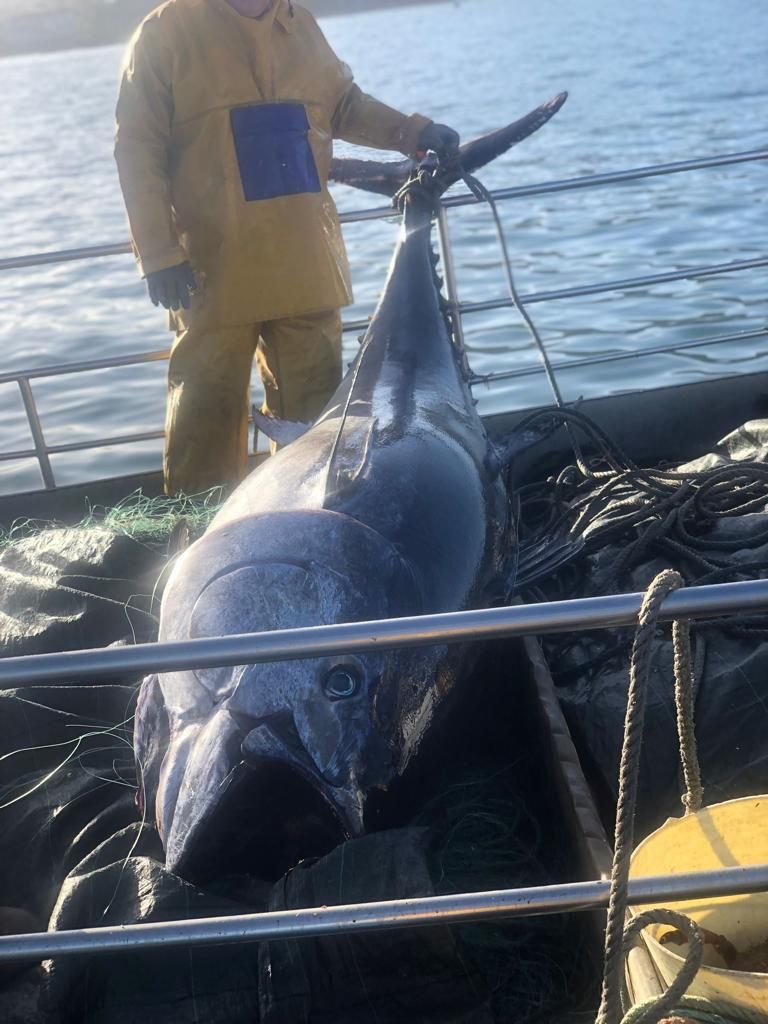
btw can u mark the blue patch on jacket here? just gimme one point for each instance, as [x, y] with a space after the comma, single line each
[273, 151]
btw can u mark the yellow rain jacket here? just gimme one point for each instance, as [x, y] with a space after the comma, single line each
[225, 126]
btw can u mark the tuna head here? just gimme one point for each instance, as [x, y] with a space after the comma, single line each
[250, 769]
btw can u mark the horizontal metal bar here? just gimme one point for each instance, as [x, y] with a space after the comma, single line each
[84, 446]
[106, 442]
[615, 357]
[623, 284]
[572, 184]
[19, 456]
[463, 199]
[43, 259]
[708, 270]
[432, 911]
[487, 378]
[113, 362]
[378, 635]
[85, 366]
[357, 325]
[614, 177]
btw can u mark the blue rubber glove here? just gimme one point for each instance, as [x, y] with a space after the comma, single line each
[440, 139]
[171, 287]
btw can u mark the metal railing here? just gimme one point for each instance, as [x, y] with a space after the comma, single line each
[454, 627]
[462, 908]
[42, 451]
[378, 635]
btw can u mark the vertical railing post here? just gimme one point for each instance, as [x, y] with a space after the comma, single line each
[36, 429]
[449, 272]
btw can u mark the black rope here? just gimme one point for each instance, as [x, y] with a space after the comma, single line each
[647, 512]
[630, 520]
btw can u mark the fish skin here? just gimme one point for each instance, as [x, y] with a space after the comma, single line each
[389, 505]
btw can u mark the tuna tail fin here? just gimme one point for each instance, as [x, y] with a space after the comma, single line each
[387, 178]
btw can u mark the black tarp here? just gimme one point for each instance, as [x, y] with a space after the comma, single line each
[388, 977]
[62, 589]
[322, 982]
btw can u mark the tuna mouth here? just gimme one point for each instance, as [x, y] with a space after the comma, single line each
[269, 818]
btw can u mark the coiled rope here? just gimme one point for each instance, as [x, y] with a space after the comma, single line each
[647, 513]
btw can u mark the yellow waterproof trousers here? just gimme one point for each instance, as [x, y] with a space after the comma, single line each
[206, 427]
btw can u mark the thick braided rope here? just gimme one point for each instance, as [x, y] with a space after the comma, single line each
[665, 1003]
[629, 771]
[684, 704]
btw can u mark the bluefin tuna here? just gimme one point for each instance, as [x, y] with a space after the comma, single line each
[393, 503]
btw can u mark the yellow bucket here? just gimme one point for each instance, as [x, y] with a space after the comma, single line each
[732, 834]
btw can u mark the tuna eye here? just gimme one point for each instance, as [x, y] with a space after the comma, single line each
[341, 683]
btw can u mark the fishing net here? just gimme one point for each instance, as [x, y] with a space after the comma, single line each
[494, 830]
[142, 518]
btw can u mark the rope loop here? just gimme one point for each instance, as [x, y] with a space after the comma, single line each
[694, 958]
[426, 184]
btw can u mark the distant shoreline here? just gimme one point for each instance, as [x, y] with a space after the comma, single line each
[76, 26]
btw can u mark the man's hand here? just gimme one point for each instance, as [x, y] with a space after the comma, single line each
[440, 139]
[171, 287]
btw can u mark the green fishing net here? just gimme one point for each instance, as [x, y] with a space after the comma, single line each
[146, 519]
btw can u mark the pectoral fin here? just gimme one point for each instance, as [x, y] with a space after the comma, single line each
[282, 432]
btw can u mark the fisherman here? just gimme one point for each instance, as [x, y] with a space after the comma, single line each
[225, 120]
